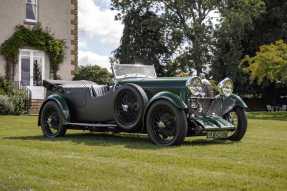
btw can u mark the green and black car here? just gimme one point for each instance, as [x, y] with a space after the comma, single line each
[167, 109]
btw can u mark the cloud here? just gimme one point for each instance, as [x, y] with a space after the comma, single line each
[92, 58]
[98, 22]
[83, 44]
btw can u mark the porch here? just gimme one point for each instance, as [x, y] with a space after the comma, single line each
[28, 74]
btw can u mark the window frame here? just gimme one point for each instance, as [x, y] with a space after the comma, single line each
[28, 20]
[32, 54]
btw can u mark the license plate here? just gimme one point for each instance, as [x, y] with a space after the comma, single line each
[217, 134]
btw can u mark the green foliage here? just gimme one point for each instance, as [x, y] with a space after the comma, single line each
[269, 27]
[184, 23]
[142, 40]
[6, 87]
[16, 96]
[270, 63]
[18, 99]
[36, 38]
[6, 105]
[93, 73]
[236, 18]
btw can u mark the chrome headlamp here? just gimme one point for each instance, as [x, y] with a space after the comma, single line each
[194, 85]
[226, 87]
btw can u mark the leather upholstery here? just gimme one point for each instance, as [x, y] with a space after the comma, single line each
[100, 90]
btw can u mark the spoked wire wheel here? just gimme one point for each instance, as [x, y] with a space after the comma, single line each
[166, 125]
[128, 107]
[239, 119]
[52, 121]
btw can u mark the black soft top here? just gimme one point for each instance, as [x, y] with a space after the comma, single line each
[50, 84]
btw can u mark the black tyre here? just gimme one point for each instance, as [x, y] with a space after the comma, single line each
[166, 125]
[238, 118]
[52, 120]
[129, 104]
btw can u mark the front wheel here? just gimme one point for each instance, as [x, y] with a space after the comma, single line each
[238, 118]
[166, 125]
[52, 120]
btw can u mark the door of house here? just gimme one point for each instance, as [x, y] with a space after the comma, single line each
[32, 71]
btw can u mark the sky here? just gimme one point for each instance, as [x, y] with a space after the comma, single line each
[99, 33]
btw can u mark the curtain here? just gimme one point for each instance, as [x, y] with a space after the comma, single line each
[31, 8]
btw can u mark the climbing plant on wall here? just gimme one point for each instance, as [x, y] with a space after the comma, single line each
[35, 38]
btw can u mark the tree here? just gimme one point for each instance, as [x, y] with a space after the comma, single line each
[269, 27]
[192, 22]
[142, 40]
[270, 63]
[93, 73]
[236, 18]
[186, 24]
[268, 70]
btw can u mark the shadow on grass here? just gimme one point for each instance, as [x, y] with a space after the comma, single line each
[135, 141]
[280, 116]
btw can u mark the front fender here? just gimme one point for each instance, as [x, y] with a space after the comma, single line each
[169, 96]
[62, 104]
[222, 105]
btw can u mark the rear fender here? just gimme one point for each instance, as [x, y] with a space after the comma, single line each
[62, 104]
[222, 105]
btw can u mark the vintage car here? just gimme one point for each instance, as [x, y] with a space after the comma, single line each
[168, 109]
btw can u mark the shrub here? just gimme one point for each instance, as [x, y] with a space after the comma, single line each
[6, 87]
[93, 73]
[18, 99]
[16, 96]
[6, 105]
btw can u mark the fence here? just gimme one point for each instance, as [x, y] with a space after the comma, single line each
[257, 104]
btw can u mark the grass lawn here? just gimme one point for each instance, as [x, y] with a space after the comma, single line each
[84, 161]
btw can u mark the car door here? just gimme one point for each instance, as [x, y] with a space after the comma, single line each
[98, 108]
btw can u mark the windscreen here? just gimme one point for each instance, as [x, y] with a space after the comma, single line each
[133, 71]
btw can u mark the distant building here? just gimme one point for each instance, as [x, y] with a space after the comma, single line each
[60, 18]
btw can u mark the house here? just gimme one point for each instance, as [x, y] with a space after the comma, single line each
[59, 17]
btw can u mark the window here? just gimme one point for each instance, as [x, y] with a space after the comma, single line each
[31, 11]
[31, 67]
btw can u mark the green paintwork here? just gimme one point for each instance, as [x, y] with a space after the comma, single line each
[222, 105]
[238, 101]
[61, 103]
[213, 123]
[176, 88]
[174, 85]
[173, 98]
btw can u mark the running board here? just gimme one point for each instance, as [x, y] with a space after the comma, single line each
[98, 127]
[91, 125]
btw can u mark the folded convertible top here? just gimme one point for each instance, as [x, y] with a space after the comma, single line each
[51, 84]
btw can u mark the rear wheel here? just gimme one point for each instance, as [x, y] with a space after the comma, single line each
[166, 124]
[52, 120]
[239, 119]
